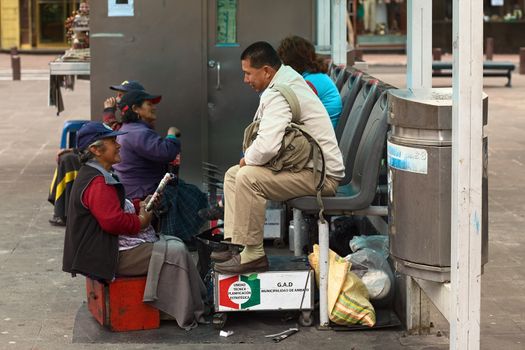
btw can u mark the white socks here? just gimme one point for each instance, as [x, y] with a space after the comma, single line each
[252, 252]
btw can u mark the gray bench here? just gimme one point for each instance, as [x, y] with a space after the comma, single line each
[490, 69]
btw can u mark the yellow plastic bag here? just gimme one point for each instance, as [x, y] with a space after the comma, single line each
[348, 302]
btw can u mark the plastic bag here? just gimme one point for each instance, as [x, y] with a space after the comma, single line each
[378, 278]
[379, 243]
[348, 302]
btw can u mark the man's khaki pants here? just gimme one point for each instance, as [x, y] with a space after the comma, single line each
[246, 190]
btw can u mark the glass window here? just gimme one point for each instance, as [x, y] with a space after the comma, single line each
[226, 22]
[51, 15]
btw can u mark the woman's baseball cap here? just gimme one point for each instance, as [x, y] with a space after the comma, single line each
[94, 131]
[136, 97]
[128, 85]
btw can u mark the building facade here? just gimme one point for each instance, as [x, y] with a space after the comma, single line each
[35, 24]
[503, 21]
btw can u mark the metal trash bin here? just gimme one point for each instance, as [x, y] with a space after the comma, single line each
[419, 182]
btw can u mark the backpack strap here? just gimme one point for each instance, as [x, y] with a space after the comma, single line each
[318, 159]
[295, 107]
[292, 100]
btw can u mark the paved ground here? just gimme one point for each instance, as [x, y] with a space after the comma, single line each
[39, 303]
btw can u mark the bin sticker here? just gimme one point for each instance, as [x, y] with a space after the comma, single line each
[414, 160]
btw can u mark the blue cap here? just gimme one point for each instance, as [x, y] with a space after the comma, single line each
[94, 131]
[128, 85]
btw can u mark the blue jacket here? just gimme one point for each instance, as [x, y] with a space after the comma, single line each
[144, 158]
[328, 94]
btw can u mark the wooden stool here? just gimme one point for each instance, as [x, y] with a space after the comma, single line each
[118, 305]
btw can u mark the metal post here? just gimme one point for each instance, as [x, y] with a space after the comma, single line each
[419, 75]
[419, 44]
[522, 60]
[338, 50]
[436, 54]
[323, 25]
[324, 266]
[467, 85]
[300, 232]
[489, 49]
[15, 63]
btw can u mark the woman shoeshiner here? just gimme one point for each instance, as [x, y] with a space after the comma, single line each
[145, 159]
[109, 236]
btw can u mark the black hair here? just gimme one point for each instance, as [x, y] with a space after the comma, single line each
[261, 54]
[129, 116]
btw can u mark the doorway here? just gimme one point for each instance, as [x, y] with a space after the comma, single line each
[232, 26]
[50, 21]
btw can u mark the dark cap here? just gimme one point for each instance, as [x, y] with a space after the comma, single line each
[136, 97]
[94, 131]
[128, 85]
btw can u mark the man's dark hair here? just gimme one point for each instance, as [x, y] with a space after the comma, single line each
[261, 54]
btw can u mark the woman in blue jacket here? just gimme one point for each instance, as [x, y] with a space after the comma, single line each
[145, 158]
[299, 54]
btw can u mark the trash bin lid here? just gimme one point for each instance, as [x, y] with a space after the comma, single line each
[424, 108]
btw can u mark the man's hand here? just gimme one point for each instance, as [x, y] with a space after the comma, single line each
[110, 102]
[242, 162]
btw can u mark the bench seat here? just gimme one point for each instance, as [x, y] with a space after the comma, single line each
[490, 69]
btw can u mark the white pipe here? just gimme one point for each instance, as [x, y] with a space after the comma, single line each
[323, 273]
[323, 25]
[339, 14]
[419, 44]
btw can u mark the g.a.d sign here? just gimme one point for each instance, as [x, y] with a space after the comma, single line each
[286, 290]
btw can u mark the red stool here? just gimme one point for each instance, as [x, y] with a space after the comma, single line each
[118, 305]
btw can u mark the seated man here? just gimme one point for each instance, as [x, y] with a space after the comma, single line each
[250, 184]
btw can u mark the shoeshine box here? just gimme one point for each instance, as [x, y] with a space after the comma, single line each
[271, 290]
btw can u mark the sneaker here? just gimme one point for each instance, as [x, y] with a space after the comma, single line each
[213, 213]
